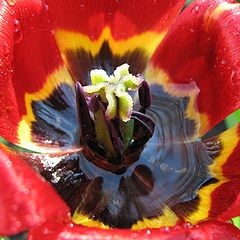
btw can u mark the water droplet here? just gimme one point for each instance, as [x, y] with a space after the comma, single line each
[46, 6]
[195, 10]
[17, 31]
[110, 13]
[9, 163]
[166, 229]
[10, 2]
[235, 78]
[187, 225]
[237, 33]
[12, 12]
[191, 30]
[82, 5]
[18, 224]
[26, 191]
[148, 232]
[6, 53]
[223, 62]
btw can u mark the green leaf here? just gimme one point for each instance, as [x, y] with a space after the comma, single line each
[4, 238]
[236, 222]
[233, 119]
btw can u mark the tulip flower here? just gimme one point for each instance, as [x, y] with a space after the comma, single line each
[112, 103]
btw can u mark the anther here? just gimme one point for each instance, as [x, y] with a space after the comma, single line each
[86, 124]
[144, 96]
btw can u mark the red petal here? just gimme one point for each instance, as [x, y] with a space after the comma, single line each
[209, 230]
[26, 200]
[228, 197]
[28, 54]
[226, 168]
[203, 47]
[231, 169]
[125, 18]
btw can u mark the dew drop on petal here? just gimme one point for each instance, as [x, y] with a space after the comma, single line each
[6, 53]
[6, 50]
[18, 224]
[26, 191]
[195, 10]
[17, 31]
[46, 6]
[187, 225]
[223, 62]
[47, 231]
[9, 163]
[166, 229]
[235, 78]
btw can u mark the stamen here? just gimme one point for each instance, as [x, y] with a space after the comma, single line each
[143, 130]
[116, 138]
[144, 96]
[86, 124]
[146, 122]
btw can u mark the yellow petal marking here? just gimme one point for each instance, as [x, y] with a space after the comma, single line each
[60, 76]
[159, 76]
[148, 41]
[213, 15]
[229, 140]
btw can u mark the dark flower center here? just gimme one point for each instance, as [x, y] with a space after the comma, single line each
[154, 175]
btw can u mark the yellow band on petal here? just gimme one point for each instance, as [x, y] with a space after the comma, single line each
[60, 76]
[83, 220]
[71, 41]
[169, 218]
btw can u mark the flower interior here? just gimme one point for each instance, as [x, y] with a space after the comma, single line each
[141, 163]
[116, 105]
